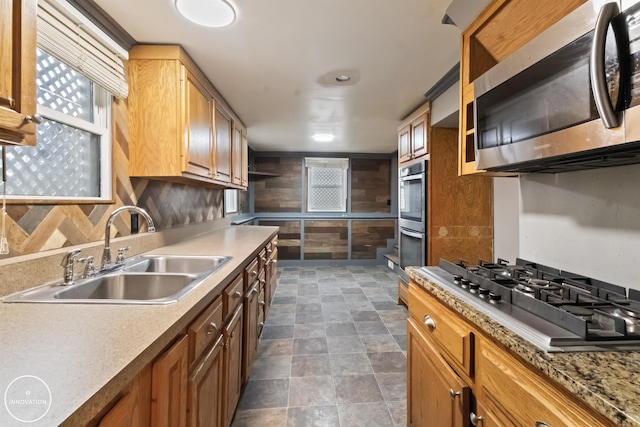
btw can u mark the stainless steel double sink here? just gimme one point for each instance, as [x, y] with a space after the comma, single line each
[144, 279]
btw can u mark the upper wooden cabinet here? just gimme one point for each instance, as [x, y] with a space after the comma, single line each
[413, 135]
[18, 72]
[224, 134]
[180, 129]
[495, 34]
[240, 156]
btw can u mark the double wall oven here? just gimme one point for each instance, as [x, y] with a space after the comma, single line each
[413, 215]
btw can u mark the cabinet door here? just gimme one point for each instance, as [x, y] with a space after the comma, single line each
[236, 155]
[419, 137]
[169, 387]
[244, 164]
[251, 328]
[436, 396]
[198, 130]
[17, 71]
[233, 364]
[223, 146]
[204, 389]
[488, 415]
[404, 144]
[133, 408]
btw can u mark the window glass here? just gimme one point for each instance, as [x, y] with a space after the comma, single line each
[327, 185]
[71, 158]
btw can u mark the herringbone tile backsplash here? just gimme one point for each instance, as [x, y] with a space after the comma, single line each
[37, 227]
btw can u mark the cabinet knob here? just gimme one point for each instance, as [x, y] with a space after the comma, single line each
[212, 328]
[254, 291]
[261, 323]
[542, 424]
[262, 303]
[36, 118]
[274, 243]
[237, 293]
[254, 273]
[428, 320]
[453, 393]
[475, 419]
[263, 259]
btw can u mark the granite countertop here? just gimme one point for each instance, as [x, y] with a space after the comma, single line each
[87, 353]
[608, 382]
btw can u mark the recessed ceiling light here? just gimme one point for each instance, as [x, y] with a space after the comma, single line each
[343, 78]
[323, 137]
[208, 13]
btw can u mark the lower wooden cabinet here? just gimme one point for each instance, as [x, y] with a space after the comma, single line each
[454, 379]
[436, 396]
[197, 381]
[233, 364]
[205, 393]
[251, 328]
[169, 386]
[134, 407]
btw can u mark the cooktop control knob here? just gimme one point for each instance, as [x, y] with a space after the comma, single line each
[494, 298]
[483, 293]
[473, 288]
[464, 283]
[456, 279]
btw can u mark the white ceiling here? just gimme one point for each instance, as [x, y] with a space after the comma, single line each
[271, 64]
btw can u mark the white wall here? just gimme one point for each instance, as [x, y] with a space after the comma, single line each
[506, 228]
[444, 109]
[587, 222]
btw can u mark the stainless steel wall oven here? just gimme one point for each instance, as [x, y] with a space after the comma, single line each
[413, 214]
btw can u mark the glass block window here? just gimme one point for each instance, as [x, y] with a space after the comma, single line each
[327, 184]
[72, 156]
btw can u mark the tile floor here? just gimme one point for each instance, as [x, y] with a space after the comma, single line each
[332, 352]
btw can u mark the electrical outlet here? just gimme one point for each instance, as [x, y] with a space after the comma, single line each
[390, 264]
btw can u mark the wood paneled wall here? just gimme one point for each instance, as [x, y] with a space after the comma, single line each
[460, 218]
[326, 240]
[370, 185]
[288, 238]
[282, 193]
[35, 228]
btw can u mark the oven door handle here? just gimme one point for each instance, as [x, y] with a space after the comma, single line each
[411, 234]
[412, 177]
[597, 69]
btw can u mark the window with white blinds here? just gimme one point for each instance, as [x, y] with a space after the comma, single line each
[327, 184]
[69, 36]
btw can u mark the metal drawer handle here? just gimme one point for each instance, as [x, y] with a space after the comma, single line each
[428, 320]
[36, 118]
[542, 424]
[212, 328]
[453, 393]
[475, 419]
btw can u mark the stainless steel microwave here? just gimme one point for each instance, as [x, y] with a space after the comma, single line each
[567, 100]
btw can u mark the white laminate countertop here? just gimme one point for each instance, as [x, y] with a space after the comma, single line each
[87, 353]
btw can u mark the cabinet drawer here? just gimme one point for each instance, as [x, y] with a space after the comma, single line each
[440, 323]
[262, 259]
[251, 274]
[204, 330]
[507, 383]
[232, 296]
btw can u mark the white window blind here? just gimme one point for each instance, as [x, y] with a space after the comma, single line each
[69, 36]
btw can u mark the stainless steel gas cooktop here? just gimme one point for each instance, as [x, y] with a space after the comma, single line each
[554, 310]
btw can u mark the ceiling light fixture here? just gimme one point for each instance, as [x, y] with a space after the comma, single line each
[208, 13]
[323, 137]
[343, 78]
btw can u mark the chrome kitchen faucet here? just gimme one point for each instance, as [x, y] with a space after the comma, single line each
[106, 253]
